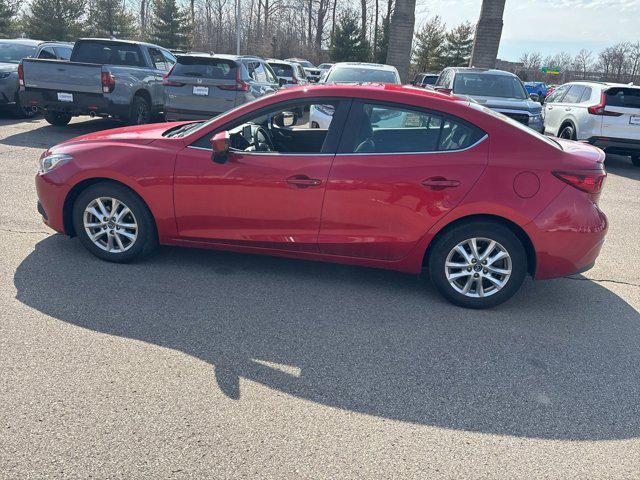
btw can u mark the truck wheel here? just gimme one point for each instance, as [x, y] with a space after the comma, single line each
[140, 111]
[635, 159]
[59, 119]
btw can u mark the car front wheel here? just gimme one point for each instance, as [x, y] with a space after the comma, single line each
[478, 264]
[113, 223]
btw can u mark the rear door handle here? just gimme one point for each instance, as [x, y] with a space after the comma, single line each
[439, 183]
[303, 181]
[568, 109]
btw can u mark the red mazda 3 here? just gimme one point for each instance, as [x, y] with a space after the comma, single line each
[402, 179]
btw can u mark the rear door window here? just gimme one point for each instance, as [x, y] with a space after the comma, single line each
[586, 95]
[574, 94]
[63, 53]
[623, 97]
[210, 68]
[557, 94]
[48, 53]
[108, 53]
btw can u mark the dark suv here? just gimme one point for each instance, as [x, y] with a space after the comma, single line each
[201, 86]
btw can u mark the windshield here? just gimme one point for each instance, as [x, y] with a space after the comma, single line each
[518, 125]
[306, 64]
[14, 52]
[359, 74]
[213, 68]
[489, 85]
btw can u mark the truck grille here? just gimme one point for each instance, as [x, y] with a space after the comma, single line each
[519, 117]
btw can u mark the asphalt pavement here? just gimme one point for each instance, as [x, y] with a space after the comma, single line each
[202, 364]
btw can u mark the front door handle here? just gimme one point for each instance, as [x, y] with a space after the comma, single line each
[303, 181]
[567, 109]
[439, 183]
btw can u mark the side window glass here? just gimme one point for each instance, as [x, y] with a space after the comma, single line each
[387, 129]
[48, 53]
[574, 94]
[270, 75]
[260, 73]
[63, 53]
[157, 59]
[557, 94]
[586, 95]
[169, 59]
[251, 68]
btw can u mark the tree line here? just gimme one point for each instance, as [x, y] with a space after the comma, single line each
[319, 30]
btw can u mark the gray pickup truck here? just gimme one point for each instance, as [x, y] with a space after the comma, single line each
[104, 77]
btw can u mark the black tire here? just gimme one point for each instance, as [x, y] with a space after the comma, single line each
[59, 119]
[635, 159]
[140, 111]
[567, 132]
[147, 238]
[445, 243]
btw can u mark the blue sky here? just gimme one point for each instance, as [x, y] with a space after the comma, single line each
[548, 26]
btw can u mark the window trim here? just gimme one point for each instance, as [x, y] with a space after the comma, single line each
[358, 103]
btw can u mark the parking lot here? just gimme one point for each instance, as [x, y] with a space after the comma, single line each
[199, 364]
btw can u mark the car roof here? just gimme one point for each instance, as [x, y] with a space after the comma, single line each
[372, 66]
[33, 43]
[592, 83]
[120, 40]
[488, 71]
[222, 56]
[283, 62]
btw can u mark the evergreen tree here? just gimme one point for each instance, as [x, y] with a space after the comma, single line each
[383, 42]
[7, 14]
[347, 44]
[54, 19]
[457, 50]
[170, 25]
[108, 18]
[428, 55]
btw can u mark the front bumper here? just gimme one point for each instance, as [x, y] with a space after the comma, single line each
[622, 146]
[568, 235]
[51, 196]
[83, 103]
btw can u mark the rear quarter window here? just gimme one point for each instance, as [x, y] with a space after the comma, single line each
[216, 69]
[623, 97]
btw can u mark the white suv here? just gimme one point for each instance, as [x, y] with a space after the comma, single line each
[606, 115]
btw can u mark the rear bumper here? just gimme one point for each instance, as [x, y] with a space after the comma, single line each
[568, 235]
[616, 145]
[179, 114]
[83, 103]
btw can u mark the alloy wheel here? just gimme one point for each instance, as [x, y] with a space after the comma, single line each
[110, 224]
[478, 267]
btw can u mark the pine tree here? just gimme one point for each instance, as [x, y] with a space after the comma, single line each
[457, 50]
[7, 13]
[108, 18]
[54, 19]
[347, 44]
[170, 25]
[429, 49]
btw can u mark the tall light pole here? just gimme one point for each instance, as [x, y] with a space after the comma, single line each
[237, 27]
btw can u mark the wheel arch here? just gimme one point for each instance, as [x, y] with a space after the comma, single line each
[564, 123]
[144, 93]
[78, 188]
[517, 230]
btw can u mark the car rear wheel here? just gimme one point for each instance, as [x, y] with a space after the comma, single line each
[140, 111]
[113, 223]
[59, 119]
[568, 132]
[477, 264]
[635, 159]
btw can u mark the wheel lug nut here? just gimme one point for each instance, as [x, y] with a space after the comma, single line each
[475, 275]
[468, 269]
[484, 262]
[485, 271]
[473, 260]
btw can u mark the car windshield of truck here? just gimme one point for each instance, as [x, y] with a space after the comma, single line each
[305, 64]
[11, 52]
[623, 97]
[282, 69]
[361, 75]
[213, 68]
[489, 85]
[107, 53]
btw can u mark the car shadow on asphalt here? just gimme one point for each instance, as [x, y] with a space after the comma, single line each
[559, 361]
[622, 166]
[49, 135]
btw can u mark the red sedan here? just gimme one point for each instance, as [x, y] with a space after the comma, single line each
[402, 178]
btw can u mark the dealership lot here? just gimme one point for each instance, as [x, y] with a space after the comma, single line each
[201, 364]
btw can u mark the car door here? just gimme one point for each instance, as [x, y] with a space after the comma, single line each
[398, 171]
[159, 68]
[267, 199]
[553, 110]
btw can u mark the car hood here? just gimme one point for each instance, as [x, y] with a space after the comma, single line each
[8, 67]
[496, 103]
[138, 134]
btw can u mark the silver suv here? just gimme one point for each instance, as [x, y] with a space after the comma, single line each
[501, 91]
[200, 86]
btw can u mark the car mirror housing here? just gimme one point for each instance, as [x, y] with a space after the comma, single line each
[535, 97]
[220, 147]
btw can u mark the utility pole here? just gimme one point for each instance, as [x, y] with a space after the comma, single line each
[237, 27]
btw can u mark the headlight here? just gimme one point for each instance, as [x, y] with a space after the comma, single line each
[51, 161]
[535, 119]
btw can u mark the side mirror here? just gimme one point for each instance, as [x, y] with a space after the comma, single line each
[443, 90]
[220, 146]
[285, 119]
[535, 97]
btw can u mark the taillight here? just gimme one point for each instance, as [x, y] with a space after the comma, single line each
[108, 82]
[599, 109]
[20, 75]
[240, 85]
[590, 181]
[170, 83]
